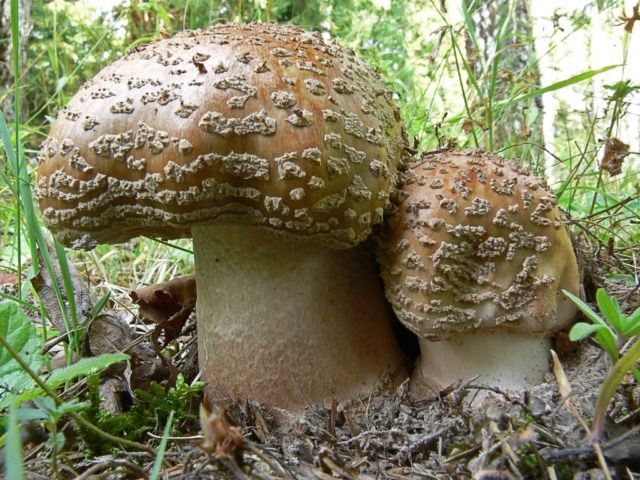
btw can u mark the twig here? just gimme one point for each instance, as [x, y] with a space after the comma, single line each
[232, 466]
[113, 463]
[269, 459]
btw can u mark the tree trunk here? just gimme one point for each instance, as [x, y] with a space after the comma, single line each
[6, 54]
[502, 59]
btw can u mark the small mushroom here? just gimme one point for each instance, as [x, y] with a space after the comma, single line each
[474, 261]
[277, 151]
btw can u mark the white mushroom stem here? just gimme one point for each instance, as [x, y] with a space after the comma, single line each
[509, 361]
[289, 323]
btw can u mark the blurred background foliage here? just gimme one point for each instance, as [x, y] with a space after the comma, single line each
[552, 83]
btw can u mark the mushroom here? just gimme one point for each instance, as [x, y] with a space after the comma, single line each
[276, 150]
[474, 260]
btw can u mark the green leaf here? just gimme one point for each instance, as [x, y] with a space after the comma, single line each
[586, 309]
[632, 327]
[562, 84]
[54, 412]
[25, 414]
[607, 340]
[19, 332]
[83, 367]
[605, 337]
[610, 308]
[582, 330]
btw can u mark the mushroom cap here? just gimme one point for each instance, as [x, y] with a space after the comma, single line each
[261, 123]
[477, 243]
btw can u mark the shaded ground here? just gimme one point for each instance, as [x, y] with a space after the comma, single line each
[532, 435]
[536, 434]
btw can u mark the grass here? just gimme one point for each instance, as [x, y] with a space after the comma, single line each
[607, 209]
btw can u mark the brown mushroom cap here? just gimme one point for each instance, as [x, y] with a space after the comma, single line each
[261, 124]
[477, 244]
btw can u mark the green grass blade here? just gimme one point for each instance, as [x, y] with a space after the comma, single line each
[37, 242]
[13, 448]
[157, 465]
[68, 285]
[7, 145]
[15, 41]
[567, 82]
[100, 304]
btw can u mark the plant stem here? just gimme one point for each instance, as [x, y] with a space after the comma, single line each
[609, 387]
[15, 40]
[76, 416]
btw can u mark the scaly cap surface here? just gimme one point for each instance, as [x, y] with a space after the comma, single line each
[259, 123]
[477, 243]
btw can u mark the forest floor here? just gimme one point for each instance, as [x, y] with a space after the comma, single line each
[537, 434]
[543, 433]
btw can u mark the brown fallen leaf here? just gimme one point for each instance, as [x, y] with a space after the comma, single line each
[615, 152]
[45, 282]
[167, 304]
[7, 278]
[220, 438]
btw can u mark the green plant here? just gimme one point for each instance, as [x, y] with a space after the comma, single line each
[13, 454]
[612, 333]
[17, 330]
[21, 358]
[49, 414]
[157, 464]
[150, 411]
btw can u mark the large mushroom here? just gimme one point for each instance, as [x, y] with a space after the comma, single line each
[276, 149]
[474, 261]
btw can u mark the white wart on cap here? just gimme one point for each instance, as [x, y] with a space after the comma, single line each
[256, 140]
[474, 260]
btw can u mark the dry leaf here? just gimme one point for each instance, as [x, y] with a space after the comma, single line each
[525, 131]
[160, 302]
[467, 126]
[167, 304]
[8, 278]
[220, 439]
[629, 22]
[43, 284]
[615, 152]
